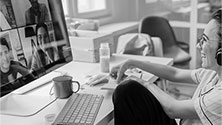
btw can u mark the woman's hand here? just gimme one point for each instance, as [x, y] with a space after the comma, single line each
[118, 71]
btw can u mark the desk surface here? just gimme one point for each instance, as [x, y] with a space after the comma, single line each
[79, 71]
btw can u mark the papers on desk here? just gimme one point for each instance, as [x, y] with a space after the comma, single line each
[111, 85]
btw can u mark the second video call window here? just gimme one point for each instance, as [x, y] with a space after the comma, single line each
[19, 13]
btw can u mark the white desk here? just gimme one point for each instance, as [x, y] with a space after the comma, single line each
[79, 70]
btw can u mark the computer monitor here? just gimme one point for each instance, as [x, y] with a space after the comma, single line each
[34, 41]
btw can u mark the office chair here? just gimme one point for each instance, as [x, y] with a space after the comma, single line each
[160, 27]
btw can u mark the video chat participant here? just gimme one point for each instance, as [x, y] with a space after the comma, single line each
[137, 102]
[37, 13]
[10, 70]
[44, 53]
[4, 25]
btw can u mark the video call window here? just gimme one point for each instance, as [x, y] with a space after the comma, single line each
[18, 13]
[33, 40]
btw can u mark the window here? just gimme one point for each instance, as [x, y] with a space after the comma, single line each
[151, 1]
[91, 5]
[179, 0]
[87, 8]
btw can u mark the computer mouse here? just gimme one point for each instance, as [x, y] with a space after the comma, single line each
[97, 79]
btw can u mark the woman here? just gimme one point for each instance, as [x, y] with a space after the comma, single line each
[145, 103]
[44, 53]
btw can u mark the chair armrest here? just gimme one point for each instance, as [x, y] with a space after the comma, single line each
[158, 46]
[183, 45]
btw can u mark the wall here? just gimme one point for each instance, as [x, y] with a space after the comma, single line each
[122, 10]
[133, 10]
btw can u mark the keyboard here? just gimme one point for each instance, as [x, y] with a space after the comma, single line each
[79, 109]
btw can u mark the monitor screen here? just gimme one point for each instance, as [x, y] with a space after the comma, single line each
[33, 41]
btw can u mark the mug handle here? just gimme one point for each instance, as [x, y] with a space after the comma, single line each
[78, 86]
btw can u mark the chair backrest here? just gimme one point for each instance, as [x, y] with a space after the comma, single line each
[158, 27]
[135, 44]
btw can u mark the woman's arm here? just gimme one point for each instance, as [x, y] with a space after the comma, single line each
[162, 71]
[183, 109]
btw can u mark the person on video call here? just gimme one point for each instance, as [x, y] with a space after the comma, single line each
[139, 102]
[44, 53]
[4, 25]
[37, 13]
[10, 69]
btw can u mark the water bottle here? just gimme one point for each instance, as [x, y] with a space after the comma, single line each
[104, 52]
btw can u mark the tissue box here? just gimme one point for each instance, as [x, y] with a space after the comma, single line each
[85, 45]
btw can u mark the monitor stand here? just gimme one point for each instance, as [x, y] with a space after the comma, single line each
[24, 105]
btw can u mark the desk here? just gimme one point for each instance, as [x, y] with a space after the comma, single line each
[79, 70]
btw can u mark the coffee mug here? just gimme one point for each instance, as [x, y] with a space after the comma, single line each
[63, 86]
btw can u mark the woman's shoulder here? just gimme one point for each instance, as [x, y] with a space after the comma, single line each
[204, 71]
[205, 74]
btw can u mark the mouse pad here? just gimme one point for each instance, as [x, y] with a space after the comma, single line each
[24, 105]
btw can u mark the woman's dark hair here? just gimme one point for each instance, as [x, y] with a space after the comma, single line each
[39, 25]
[4, 42]
[217, 15]
[40, 51]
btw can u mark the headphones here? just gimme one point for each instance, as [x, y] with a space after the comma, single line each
[219, 54]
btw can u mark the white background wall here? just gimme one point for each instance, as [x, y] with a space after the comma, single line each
[133, 10]
[122, 10]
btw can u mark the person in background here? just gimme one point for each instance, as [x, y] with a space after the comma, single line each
[7, 16]
[10, 70]
[44, 53]
[139, 102]
[4, 25]
[37, 13]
